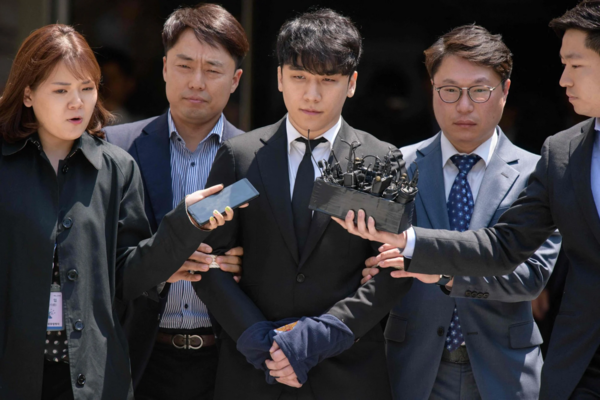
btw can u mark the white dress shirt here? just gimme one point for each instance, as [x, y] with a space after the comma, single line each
[475, 176]
[596, 168]
[296, 150]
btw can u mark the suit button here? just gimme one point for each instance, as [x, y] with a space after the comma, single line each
[67, 223]
[78, 325]
[474, 295]
[486, 295]
[441, 331]
[80, 379]
[480, 295]
[468, 293]
[145, 294]
[72, 275]
[65, 169]
[300, 278]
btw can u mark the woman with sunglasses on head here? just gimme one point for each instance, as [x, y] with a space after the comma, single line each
[73, 229]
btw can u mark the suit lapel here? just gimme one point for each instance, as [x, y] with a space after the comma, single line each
[320, 221]
[499, 177]
[580, 164]
[273, 166]
[431, 183]
[154, 154]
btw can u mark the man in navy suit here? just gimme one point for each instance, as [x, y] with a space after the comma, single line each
[476, 337]
[170, 333]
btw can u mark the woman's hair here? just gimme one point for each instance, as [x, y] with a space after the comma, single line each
[36, 59]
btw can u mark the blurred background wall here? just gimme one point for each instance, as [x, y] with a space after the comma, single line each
[394, 94]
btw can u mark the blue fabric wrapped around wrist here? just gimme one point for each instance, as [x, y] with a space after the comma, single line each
[256, 342]
[312, 340]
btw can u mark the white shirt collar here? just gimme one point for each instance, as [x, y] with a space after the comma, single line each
[293, 134]
[485, 150]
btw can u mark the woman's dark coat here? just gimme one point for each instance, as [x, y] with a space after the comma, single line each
[93, 209]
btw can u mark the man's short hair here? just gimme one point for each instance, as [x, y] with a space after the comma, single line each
[472, 43]
[321, 42]
[585, 16]
[212, 24]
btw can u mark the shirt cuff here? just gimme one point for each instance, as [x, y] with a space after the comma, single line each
[410, 243]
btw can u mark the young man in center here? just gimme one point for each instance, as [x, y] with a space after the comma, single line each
[298, 263]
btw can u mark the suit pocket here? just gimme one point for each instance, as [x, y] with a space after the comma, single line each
[524, 334]
[395, 329]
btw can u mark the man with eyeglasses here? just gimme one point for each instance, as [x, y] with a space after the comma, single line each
[469, 337]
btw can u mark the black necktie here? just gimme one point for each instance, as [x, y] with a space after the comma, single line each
[305, 179]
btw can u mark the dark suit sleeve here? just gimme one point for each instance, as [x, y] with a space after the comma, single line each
[231, 307]
[521, 230]
[524, 284]
[371, 302]
[144, 261]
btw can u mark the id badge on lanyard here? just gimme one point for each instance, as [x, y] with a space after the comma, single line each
[55, 311]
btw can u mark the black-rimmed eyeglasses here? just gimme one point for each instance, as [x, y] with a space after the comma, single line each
[478, 93]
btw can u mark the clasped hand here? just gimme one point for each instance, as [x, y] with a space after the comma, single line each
[200, 260]
[280, 367]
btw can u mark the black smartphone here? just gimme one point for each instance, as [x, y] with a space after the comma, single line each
[233, 196]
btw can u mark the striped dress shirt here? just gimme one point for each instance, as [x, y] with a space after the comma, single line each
[189, 171]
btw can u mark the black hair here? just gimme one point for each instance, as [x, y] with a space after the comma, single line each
[212, 24]
[321, 42]
[585, 16]
[473, 43]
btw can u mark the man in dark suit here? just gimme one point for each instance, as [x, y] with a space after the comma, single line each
[171, 338]
[449, 336]
[564, 193]
[295, 263]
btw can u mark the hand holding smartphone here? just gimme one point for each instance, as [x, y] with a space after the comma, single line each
[232, 196]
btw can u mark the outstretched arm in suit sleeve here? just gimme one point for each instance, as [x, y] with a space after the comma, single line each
[231, 307]
[495, 251]
[143, 261]
[524, 284]
[371, 302]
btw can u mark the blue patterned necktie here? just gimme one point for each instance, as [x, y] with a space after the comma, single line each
[460, 208]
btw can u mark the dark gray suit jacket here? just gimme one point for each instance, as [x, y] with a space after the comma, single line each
[148, 142]
[559, 196]
[502, 338]
[278, 283]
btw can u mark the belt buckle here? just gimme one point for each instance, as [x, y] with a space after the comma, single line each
[184, 341]
[187, 340]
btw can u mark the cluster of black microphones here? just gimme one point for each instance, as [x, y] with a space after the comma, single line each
[380, 178]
